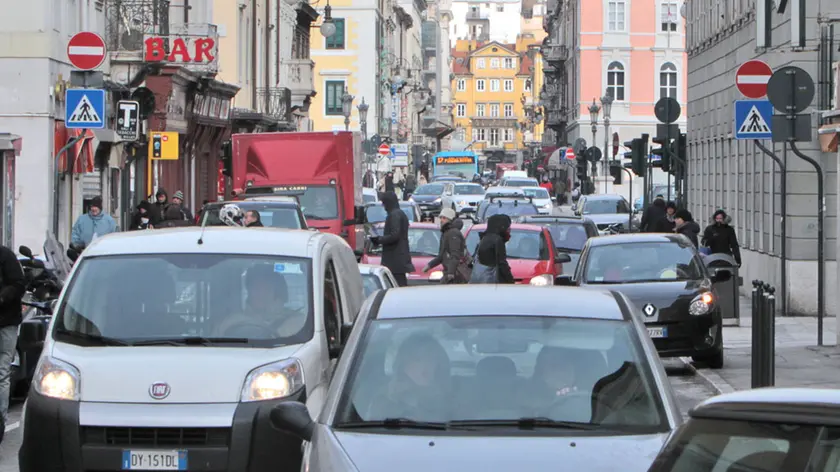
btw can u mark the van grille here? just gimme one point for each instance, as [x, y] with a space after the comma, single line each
[177, 437]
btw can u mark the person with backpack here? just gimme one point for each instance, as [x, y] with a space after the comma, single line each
[490, 266]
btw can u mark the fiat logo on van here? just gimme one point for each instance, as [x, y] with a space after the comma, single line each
[159, 390]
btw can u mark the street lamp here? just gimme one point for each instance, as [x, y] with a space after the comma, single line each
[594, 110]
[606, 105]
[328, 25]
[346, 108]
[363, 109]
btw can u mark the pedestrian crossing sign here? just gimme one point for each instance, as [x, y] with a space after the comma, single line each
[84, 109]
[753, 119]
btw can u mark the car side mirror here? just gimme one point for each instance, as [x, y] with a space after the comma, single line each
[25, 252]
[562, 258]
[358, 216]
[293, 418]
[564, 280]
[721, 276]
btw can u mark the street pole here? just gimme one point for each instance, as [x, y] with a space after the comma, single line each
[57, 178]
[607, 153]
[594, 133]
[783, 211]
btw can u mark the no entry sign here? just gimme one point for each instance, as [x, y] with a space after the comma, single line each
[570, 154]
[384, 150]
[86, 50]
[752, 77]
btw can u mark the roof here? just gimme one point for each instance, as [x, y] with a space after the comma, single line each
[280, 199]
[215, 240]
[460, 67]
[783, 405]
[542, 218]
[494, 300]
[609, 196]
[513, 226]
[525, 64]
[630, 238]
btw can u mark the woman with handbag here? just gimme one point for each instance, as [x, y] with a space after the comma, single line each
[490, 266]
[452, 250]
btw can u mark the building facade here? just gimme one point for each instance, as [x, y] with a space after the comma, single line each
[485, 21]
[725, 173]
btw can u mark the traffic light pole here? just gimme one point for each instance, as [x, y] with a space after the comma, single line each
[783, 211]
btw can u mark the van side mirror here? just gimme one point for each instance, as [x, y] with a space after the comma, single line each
[562, 258]
[25, 252]
[564, 281]
[293, 418]
[721, 276]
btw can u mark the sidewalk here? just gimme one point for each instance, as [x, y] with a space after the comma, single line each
[799, 362]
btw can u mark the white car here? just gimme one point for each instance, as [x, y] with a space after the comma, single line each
[370, 195]
[376, 277]
[463, 197]
[519, 182]
[540, 198]
[170, 348]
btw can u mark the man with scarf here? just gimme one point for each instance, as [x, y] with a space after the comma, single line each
[452, 247]
[396, 254]
[720, 238]
[93, 224]
[491, 265]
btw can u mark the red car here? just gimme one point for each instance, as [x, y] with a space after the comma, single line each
[423, 242]
[531, 253]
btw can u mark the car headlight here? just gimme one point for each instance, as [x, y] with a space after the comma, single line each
[462, 203]
[436, 275]
[437, 200]
[276, 380]
[542, 280]
[56, 379]
[702, 304]
[547, 206]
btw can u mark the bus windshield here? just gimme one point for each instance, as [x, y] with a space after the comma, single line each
[465, 166]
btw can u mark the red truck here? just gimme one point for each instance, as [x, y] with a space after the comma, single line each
[322, 169]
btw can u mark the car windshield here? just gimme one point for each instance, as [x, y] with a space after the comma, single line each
[520, 183]
[605, 207]
[568, 237]
[705, 445]
[523, 244]
[369, 198]
[469, 189]
[643, 262]
[377, 213]
[495, 370]
[536, 193]
[271, 215]
[521, 208]
[371, 283]
[421, 242]
[429, 189]
[250, 300]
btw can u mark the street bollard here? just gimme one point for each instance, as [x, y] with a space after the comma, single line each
[770, 332]
[757, 297]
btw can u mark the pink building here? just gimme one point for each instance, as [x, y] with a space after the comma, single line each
[637, 55]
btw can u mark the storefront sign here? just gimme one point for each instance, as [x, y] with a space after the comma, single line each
[404, 116]
[182, 49]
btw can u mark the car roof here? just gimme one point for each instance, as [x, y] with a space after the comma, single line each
[636, 238]
[533, 188]
[369, 190]
[514, 226]
[777, 405]
[215, 240]
[423, 225]
[494, 300]
[609, 196]
[370, 269]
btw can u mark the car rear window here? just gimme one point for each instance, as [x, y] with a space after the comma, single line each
[523, 244]
[270, 216]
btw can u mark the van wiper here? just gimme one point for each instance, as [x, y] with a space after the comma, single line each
[394, 423]
[189, 341]
[527, 423]
[93, 338]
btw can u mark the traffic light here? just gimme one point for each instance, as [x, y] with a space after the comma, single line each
[157, 145]
[663, 152]
[681, 147]
[637, 157]
[226, 155]
[581, 163]
[615, 172]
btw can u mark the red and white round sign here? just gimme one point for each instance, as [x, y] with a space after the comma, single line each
[384, 150]
[752, 77]
[570, 154]
[86, 50]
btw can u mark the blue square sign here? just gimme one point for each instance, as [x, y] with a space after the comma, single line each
[84, 108]
[753, 119]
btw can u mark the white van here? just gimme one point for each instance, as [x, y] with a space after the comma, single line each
[169, 349]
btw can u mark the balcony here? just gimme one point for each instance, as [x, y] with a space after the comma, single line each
[478, 16]
[296, 75]
[275, 102]
[555, 118]
[555, 53]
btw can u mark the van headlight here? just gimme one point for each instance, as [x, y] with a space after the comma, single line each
[271, 381]
[436, 275]
[57, 379]
[702, 304]
[542, 280]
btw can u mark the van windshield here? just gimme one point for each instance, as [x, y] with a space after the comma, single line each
[188, 299]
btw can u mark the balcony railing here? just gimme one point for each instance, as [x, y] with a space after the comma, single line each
[296, 75]
[555, 53]
[555, 118]
[275, 102]
[477, 15]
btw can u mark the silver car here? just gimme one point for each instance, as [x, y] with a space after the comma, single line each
[426, 382]
[607, 211]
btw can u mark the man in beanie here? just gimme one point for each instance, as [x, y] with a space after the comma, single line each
[685, 225]
[452, 247]
[178, 199]
[93, 224]
[159, 208]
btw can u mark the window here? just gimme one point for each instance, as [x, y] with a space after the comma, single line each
[510, 63]
[508, 85]
[616, 15]
[508, 110]
[336, 41]
[335, 90]
[479, 109]
[480, 63]
[500, 7]
[494, 137]
[462, 85]
[494, 110]
[461, 110]
[332, 311]
[527, 85]
[494, 85]
[668, 81]
[461, 134]
[494, 63]
[669, 16]
[479, 134]
[615, 81]
[479, 85]
[508, 135]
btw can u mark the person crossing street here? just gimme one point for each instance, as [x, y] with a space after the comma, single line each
[452, 249]
[396, 254]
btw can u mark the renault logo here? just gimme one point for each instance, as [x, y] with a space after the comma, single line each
[649, 309]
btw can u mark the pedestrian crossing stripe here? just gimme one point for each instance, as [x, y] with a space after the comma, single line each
[754, 123]
[85, 112]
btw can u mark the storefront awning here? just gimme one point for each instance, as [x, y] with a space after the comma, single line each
[11, 142]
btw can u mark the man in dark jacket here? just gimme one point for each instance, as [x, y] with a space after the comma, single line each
[409, 186]
[653, 216]
[252, 219]
[142, 217]
[173, 218]
[720, 238]
[452, 247]
[12, 288]
[159, 208]
[491, 247]
[394, 240]
[685, 225]
[389, 182]
[178, 199]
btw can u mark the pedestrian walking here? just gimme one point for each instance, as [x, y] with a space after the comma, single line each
[142, 217]
[159, 208]
[653, 216]
[667, 224]
[178, 199]
[685, 225]
[576, 193]
[389, 183]
[396, 254]
[252, 219]
[720, 237]
[91, 225]
[452, 252]
[12, 288]
[422, 180]
[490, 265]
[410, 185]
[546, 184]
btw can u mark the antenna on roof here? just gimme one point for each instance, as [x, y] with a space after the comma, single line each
[203, 227]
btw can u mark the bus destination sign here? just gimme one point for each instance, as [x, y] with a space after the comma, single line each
[443, 160]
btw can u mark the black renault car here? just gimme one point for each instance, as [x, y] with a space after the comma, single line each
[666, 278]
[429, 198]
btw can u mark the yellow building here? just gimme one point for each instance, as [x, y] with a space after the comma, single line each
[495, 88]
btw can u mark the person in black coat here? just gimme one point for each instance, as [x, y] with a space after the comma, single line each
[686, 226]
[396, 254]
[142, 217]
[653, 216]
[491, 247]
[720, 238]
[12, 288]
